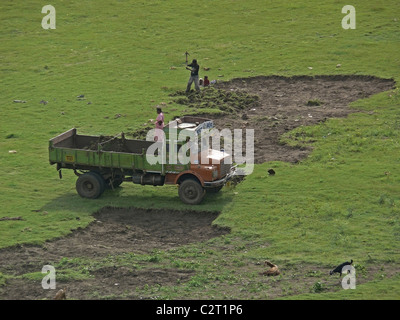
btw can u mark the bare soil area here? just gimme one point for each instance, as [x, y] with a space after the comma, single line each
[113, 232]
[287, 103]
[282, 104]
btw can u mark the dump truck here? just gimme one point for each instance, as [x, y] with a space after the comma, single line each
[105, 162]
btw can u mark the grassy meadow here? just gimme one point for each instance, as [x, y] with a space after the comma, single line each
[340, 203]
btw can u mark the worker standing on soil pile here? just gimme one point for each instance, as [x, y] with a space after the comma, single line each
[159, 125]
[194, 76]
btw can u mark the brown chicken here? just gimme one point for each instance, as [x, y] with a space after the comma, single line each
[61, 294]
[273, 271]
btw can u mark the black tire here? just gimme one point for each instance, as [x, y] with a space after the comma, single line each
[191, 192]
[101, 179]
[90, 185]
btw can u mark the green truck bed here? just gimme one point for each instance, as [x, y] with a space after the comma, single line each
[71, 150]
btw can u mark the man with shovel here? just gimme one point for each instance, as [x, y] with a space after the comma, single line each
[194, 76]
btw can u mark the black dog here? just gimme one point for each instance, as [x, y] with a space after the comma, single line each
[339, 268]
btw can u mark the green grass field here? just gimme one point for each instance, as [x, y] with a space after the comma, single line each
[341, 202]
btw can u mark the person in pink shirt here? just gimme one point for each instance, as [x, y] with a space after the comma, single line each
[159, 125]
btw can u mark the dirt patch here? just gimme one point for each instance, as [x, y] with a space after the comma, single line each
[282, 104]
[113, 232]
[105, 283]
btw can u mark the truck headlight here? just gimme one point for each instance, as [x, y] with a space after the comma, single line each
[215, 173]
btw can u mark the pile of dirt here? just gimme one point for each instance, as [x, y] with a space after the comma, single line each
[140, 134]
[226, 101]
[108, 143]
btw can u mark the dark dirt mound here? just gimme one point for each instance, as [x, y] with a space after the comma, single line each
[140, 134]
[211, 97]
[108, 143]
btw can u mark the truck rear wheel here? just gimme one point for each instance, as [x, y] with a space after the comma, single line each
[191, 192]
[90, 185]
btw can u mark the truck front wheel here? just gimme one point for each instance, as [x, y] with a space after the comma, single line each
[191, 192]
[90, 185]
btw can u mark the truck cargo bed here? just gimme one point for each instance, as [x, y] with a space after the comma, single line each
[81, 151]
[72, 140]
